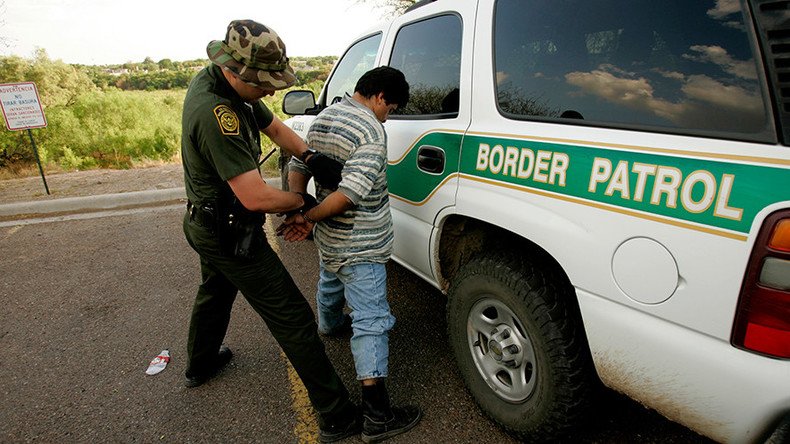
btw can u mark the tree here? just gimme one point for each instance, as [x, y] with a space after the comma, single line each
[394, 7]
[13, 69]
[59, 86]
[166, 64]
[149, 65]
[58, 83]
[4, 41]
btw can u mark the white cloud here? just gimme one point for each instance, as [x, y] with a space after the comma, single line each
[706, 89]
[670, 74]
[724, 8]
[701, 95]
[718, 56]
[632, 93]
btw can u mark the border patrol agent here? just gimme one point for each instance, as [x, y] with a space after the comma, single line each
[227, 200]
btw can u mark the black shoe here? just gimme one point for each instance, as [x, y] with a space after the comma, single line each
[402, 420]
[341, 430]
[223, 357]
[341, 331]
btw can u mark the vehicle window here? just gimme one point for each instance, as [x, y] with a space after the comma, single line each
[429, 55]
[358, 60]
[685, 66]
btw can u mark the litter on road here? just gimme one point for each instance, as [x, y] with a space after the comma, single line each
[158, 363]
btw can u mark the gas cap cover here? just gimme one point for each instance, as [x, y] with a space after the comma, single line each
[645, 270]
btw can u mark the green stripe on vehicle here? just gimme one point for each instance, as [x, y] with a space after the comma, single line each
[414, 185]
[714, 193]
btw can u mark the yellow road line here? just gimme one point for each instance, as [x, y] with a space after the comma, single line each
[304, 429]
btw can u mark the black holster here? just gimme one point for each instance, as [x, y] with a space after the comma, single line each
[206, 216]
[241, 231]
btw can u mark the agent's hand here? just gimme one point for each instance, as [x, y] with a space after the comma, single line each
[326, 170]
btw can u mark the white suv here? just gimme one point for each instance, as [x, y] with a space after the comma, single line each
[602, 188]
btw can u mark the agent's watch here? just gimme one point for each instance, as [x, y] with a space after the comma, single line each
[307, 153]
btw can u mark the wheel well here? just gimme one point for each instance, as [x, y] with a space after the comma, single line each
[539, 281]
[462, 238]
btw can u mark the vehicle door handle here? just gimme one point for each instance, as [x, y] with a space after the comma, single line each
[430, 159]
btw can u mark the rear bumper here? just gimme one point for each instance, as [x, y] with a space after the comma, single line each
[696, 380]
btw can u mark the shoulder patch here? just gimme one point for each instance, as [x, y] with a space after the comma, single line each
[227, 119]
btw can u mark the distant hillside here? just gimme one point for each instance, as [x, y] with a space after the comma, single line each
[167, 74]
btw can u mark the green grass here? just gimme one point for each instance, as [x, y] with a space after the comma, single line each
[114, 129]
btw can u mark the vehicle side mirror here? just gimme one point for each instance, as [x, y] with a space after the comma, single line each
[296, 103]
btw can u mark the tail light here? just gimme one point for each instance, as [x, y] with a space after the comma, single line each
[762, 321]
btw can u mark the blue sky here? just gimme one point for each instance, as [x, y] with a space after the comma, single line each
[99, 32]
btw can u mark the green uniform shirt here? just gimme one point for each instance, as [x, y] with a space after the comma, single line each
[220, 136]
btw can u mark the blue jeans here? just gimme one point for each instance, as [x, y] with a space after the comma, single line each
[364, 287]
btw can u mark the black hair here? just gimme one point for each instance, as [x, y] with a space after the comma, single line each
[384, 79]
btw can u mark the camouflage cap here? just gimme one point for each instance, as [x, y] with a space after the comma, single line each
[255, 53]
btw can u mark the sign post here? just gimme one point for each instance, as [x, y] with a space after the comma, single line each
[22, 110]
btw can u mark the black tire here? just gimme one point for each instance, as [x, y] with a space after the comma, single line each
[539, 389]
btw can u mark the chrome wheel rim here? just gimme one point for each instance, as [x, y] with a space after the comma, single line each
[501, 350]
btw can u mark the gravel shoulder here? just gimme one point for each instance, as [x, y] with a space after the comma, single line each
[91, 182]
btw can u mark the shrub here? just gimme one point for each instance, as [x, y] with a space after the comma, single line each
[93, 121]
[114, 129]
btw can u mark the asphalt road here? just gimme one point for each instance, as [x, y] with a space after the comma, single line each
[88, 302]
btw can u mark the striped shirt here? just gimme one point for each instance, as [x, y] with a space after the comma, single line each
[350, 133]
